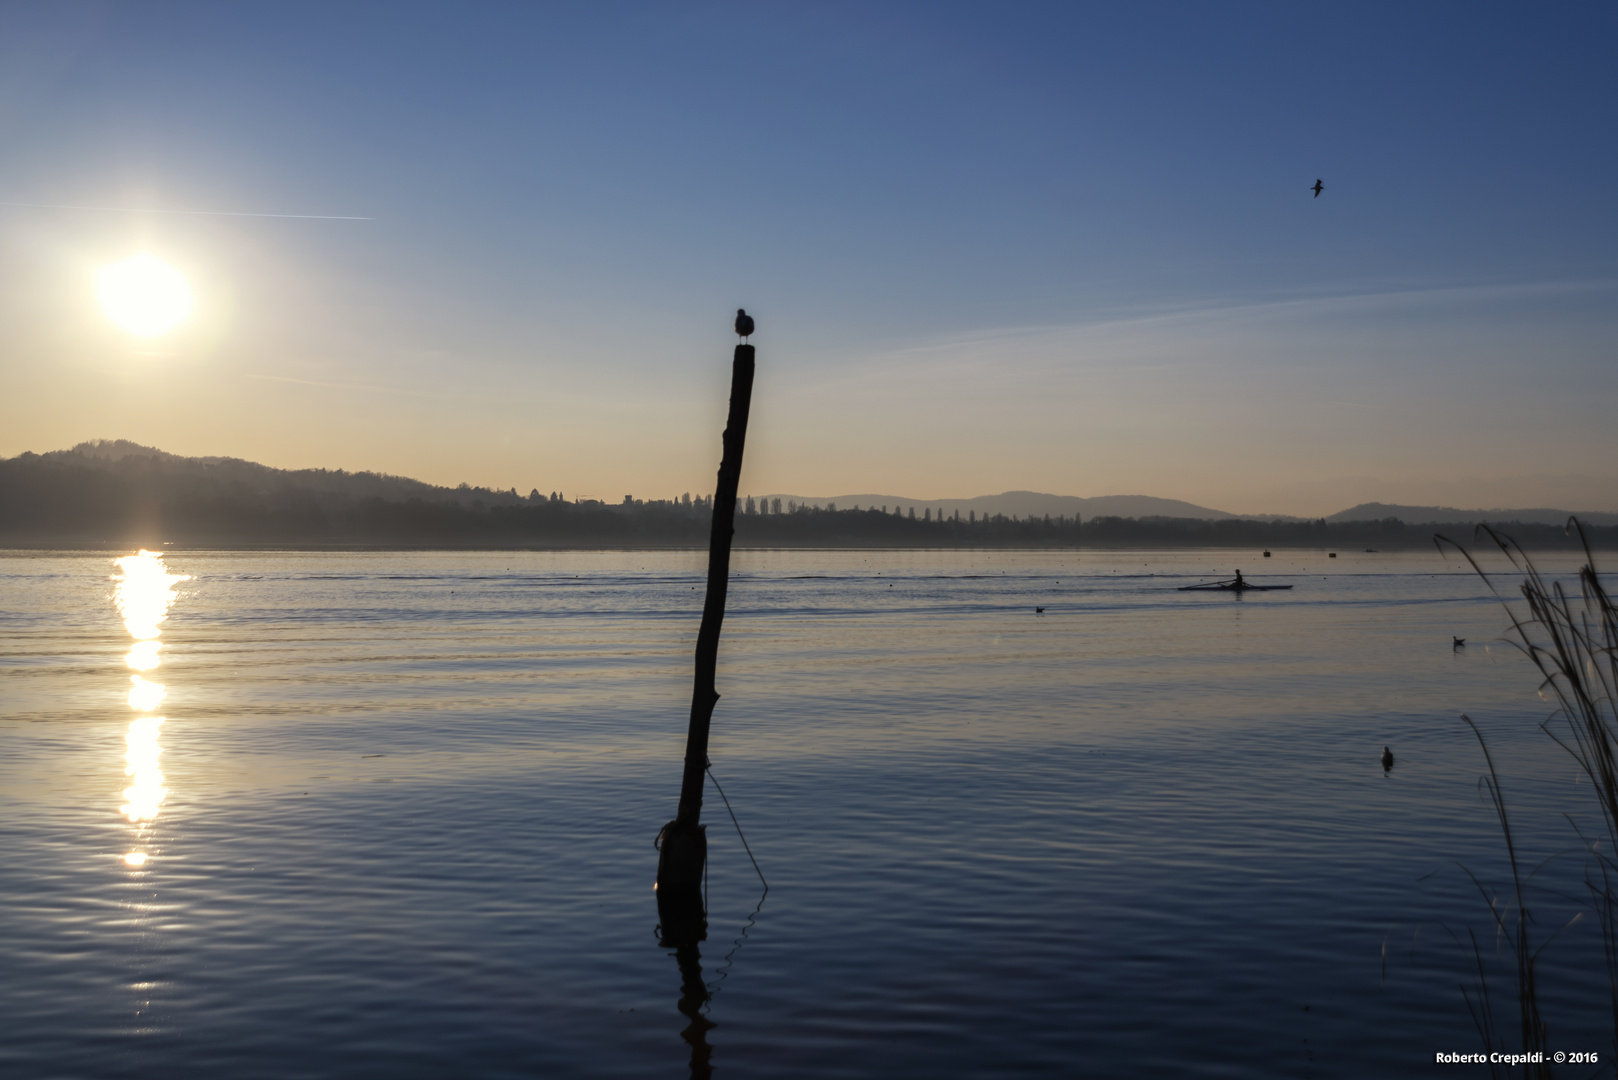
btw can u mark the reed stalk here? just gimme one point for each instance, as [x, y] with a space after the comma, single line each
[1572, 640]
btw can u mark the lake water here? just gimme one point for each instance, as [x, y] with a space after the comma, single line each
[391, 815]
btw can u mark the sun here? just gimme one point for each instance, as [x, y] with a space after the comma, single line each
[144, 295]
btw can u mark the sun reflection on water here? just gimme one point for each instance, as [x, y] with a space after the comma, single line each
[143, 593]
[143, 656]
[145, 792]
[144, 695]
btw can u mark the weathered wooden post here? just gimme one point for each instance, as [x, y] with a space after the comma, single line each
[682, 844]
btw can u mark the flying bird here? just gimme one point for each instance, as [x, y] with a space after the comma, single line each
[1387, 759]
[1318, 188]
[744, 322]
[1459, 641]
[1039, 611]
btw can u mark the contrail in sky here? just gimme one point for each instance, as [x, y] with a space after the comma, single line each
[192, 213]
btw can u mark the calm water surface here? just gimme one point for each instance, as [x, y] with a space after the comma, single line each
[343, 815]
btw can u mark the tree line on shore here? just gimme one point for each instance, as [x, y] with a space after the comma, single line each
[83, 499]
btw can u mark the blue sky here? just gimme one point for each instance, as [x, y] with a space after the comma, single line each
[1061, 247]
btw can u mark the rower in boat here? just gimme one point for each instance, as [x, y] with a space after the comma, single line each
[1237, 584]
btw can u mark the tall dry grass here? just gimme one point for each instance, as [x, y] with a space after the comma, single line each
[1571, 637]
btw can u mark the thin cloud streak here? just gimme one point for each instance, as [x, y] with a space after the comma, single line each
[340, 386]
[1226, 313]
[187, 213]
[1240, 406]
[603, 398]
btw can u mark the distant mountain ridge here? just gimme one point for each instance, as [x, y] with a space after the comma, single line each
[1020, 504]
[1023, 504]
[247, 477]
[1444, 515]
[263, 478]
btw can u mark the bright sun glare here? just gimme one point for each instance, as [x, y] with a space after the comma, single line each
[144, 295]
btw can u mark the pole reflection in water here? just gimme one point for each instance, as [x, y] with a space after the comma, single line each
[143, 592]
[684, 925]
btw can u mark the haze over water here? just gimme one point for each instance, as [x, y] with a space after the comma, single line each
[339, 815]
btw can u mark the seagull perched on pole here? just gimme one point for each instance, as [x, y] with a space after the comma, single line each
[1318, 188]
[744, 322]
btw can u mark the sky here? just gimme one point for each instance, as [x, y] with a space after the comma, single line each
[1066, 247]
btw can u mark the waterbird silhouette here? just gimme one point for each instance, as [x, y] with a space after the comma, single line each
[1459, 642]
[1039, 611]
[1318, 188]
[1387, 759]
[744, 322]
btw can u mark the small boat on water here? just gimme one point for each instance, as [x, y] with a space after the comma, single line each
[1235, 584]
[1232, 586]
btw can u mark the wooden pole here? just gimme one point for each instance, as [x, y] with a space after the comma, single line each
[682, 845]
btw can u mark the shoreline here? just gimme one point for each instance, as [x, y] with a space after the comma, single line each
[102, 547]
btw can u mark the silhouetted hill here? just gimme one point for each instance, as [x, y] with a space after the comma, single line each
[1023, 504]
[119, 495]
[1443, 515]
[213, 473]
